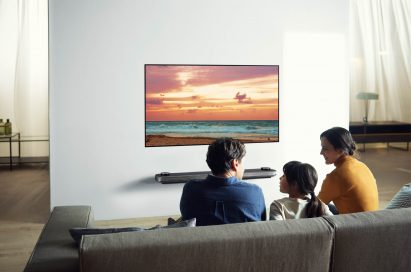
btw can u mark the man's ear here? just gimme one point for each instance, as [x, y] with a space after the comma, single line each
[234, 164]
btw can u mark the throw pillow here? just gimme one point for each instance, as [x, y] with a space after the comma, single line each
[402, 199]
[182, 223]
[77, 233]
[171, 221]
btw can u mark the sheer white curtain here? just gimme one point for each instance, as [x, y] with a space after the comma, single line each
[380, 48]
[24, 66]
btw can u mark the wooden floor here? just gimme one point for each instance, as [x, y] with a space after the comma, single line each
[391, 168]
[25, 202]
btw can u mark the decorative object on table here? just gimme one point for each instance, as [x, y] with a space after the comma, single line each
[2, 127]
[7, 127]
[367, 96]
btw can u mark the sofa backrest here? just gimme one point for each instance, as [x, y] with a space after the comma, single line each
[372, 241]
[292, 245]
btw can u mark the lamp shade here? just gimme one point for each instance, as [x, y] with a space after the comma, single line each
[367, 96]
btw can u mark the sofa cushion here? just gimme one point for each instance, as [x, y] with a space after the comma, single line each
[291, 245]
[372, 241]
[77, 233]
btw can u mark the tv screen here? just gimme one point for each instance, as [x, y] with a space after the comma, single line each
[195, 104]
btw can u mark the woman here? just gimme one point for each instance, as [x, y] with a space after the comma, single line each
[299, 181]
[351, 185]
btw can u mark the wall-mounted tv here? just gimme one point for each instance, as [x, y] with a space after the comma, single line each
[195, 104]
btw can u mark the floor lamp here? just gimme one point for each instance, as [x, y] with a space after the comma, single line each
[366, 96]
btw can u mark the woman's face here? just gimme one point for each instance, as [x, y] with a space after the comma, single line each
[330, 154]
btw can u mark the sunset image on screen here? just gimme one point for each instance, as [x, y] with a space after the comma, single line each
[193, 104]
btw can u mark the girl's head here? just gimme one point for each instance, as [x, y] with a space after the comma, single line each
[302, 176]
[300, 179]
[336, 142]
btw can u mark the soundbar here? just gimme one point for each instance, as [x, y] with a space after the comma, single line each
[183, 177]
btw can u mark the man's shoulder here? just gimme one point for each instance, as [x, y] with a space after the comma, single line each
[194, 183]
[248, 185]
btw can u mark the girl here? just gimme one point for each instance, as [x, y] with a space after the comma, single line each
[299, 181]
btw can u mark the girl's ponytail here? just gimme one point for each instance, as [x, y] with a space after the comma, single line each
[315, 207]
[305, 176]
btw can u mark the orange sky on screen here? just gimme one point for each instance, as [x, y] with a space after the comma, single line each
[194, 93]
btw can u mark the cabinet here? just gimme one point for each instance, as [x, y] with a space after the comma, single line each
[381, 132]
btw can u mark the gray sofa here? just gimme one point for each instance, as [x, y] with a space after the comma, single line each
[369, 241]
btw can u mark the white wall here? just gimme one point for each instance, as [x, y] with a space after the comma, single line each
[98, 49]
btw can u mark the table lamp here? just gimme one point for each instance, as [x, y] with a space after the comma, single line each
[367, 96]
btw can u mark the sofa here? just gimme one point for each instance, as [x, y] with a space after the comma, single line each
[367, 241]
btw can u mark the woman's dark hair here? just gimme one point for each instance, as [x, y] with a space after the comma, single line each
[221, 152]
[340, 138]
[305, 176]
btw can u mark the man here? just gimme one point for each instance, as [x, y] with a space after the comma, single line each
[223, 198]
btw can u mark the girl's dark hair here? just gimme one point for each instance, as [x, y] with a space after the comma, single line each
[340, 138]
[305, 176]
[221, 152]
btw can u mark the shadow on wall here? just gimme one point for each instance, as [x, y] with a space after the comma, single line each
[146, 184]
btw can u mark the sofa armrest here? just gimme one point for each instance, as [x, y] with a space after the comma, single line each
[55, 250]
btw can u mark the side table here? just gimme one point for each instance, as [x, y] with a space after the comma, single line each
[8, 138]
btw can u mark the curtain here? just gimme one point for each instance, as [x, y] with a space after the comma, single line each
[24, 66]
[380, 59]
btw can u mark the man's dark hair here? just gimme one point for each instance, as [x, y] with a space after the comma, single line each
[221, 152]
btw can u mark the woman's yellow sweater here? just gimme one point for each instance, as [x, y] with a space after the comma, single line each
[351, 186]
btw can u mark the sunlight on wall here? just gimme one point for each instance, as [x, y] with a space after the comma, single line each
[315, 65]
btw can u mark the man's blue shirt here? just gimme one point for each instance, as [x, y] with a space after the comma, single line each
[218, 200]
